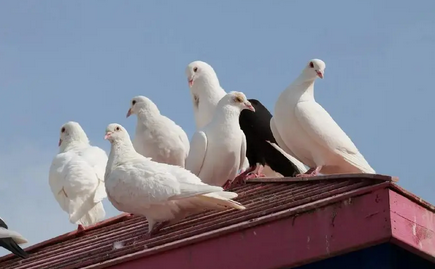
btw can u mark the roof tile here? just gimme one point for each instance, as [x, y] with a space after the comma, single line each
[123, 235]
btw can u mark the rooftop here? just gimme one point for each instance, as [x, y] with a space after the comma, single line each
[269, 202]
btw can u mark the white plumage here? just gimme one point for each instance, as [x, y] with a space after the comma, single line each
[6, 233]
[77, 176]
[11, 240]
[206, 92]
[219, 148]
[157, 136]
[162, 193]
[304, 129]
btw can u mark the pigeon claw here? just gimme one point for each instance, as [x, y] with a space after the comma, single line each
[311, 172]
[155, 229]
[80, 228]
[254, 175]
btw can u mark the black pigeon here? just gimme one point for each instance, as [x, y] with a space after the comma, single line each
[256, 126]
[9, 243]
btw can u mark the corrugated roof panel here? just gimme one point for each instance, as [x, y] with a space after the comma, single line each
[261, 199]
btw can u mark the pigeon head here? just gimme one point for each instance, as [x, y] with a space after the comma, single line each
[237, 99]
[72, 132]
[115, 132]
[199, 72]
[141, 104]
[315, 68]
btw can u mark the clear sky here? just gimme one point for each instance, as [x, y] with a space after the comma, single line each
[85, 60]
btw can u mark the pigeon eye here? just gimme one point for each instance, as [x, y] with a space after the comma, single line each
[63, 130]
[117, 128]
[133, 102]
[238, 99]
[195, 69]
[311, 65]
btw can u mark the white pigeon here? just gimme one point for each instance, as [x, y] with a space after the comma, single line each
[11, 240]
[206, 92]
[161, 192]
[304, 129]
[158, 137]
[218, 149]
[77, 176]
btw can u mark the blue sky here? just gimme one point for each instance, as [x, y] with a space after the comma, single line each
[85, 60]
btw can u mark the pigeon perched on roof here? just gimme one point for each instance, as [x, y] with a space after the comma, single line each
[218, 148]
[304, 129]
[163, 193]
[11, 240]
[262, 148]
[206, 92]
[157, 136]
[77, 176]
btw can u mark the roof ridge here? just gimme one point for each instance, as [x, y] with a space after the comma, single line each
[336, 177]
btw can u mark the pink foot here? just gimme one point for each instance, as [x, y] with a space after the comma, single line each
[227, 185]
[80, 228]
[254, 175]
[241, 177]
[311, 172]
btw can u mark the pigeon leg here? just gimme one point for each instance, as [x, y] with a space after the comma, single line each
[257, 172]
[241, 177]
[80, 228]
[311, 172]
[156, 229]
[227, 185]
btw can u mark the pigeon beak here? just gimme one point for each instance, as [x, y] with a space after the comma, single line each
[60, 141]
[319, 73]
[249, 106]
[129, 113]
[190, 80]
[108, 134]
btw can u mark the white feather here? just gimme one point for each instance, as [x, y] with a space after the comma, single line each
[219, 149]
[157, 136]
[305, 129]
[158, 191]
[76, 179]
[6, 233]
[206, 92]
[301, 167]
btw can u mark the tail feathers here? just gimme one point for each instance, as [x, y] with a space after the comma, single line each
[302, 168]
[222, 195]
[96, 214]
[358, 161]
[217, 202]
[18, 238]
[12, 246]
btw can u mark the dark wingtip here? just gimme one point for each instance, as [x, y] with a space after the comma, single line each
[12, 246]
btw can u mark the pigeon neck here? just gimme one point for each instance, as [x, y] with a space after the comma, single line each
[303, 88]
[121, 148]
[227, 113]
[204, 83]
[72, 145]
[146, 115]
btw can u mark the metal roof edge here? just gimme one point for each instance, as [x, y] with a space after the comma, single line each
[355, 176]
[291, 212]
[413, 197]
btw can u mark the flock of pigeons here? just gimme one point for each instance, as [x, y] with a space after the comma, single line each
[164, 177]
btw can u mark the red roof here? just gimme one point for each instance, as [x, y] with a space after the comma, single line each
[276, 202]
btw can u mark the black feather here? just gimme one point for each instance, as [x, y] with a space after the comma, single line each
[9, 243]
[12, 246]
[256, 126]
